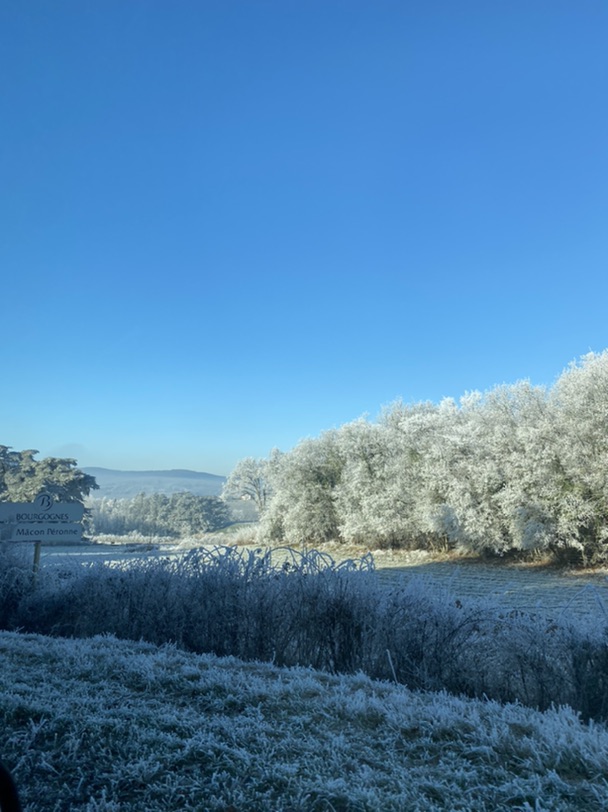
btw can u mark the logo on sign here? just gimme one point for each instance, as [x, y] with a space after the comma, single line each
[43, 501]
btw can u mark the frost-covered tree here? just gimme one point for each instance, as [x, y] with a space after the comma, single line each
[192, 514]
[250, 479]
[157, 514]
[302, 508]
[499, 470]
[22, 477]
[368, 498]
[580, 402]
[387, 495]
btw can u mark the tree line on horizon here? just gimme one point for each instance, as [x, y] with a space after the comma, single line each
[517, 468]
[158, 514]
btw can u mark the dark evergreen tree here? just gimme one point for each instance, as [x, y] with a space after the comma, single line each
[22, 477]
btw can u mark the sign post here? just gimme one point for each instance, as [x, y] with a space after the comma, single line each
[41, 520]
[36, 567]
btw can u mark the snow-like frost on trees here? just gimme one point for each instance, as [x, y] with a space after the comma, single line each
[250, 479]
[302, 509]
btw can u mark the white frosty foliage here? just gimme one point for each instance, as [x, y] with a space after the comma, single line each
[250, 479]
[517, 468]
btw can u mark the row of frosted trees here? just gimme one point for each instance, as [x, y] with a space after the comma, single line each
[520, 467]
[158, 514]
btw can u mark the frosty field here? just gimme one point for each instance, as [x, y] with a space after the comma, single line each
[529, 588]
[104, 724]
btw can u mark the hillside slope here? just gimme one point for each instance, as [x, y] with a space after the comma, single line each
[106, 724]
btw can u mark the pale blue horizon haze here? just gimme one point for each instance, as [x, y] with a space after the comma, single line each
[227, 226]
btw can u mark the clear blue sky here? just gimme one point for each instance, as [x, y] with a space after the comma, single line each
[228, 225]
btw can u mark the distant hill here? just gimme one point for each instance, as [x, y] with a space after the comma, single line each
[125, 484]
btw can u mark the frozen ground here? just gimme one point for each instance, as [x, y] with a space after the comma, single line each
[521, 587]
[103, 725]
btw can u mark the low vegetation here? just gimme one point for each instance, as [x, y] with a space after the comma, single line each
[104, 725]
[306, 610]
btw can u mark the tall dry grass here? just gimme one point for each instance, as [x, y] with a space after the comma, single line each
[302, 608]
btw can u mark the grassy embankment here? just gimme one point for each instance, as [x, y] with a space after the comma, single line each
[104, 725]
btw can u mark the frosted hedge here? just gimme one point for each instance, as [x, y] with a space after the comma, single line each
[520, 467]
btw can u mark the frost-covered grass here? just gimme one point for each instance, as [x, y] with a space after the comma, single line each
[104, 724]
[304, 609]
